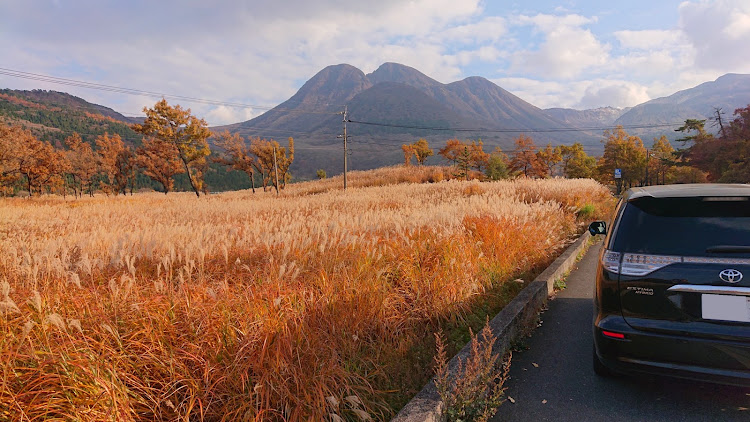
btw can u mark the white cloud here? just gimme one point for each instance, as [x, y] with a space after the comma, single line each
[583, 94]
[650, 39]
[739, 25]
[643, 66]
[484, 54]
[719, 31]
[613, 93]
[224, 115]
[568, 49]
[543, 94]
[549, 23]
[492, 28]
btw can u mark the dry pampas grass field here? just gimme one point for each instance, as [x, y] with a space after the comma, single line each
[239, 306]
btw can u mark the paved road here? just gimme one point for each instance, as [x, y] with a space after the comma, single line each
[553, 379]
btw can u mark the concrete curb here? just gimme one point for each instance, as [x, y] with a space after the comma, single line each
[515, 319]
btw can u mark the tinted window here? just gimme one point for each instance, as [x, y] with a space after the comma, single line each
[684, 226]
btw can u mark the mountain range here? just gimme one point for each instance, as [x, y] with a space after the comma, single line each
[397, 104]
[399, 95]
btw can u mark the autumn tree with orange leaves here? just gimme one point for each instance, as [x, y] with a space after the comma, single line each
[525, 159]
[452, 150]
[422, 150]
[285, 158]
[408, 150]
[83, 167]
[159, 160]
[237, 154]
[9, 172]
[625, 152]
[116, 162]
[550, 156]
[466, 154]
[661, 161]
[264, 163]
[576, 164]
[25, 158]
[40, 163]
[419, 150]
[184, 132]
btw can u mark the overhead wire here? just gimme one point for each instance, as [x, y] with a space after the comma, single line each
[530, 130]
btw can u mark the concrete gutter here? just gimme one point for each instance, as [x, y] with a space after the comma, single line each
[517, 318]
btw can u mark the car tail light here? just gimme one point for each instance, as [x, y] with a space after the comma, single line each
[636, 264]
[611, 261]
[611, 334]
[641, 264]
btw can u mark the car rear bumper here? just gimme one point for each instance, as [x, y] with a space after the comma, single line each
[718, 361]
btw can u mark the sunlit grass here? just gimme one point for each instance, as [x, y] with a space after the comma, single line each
[255, 307]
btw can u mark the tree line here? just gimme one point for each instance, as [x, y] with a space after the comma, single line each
[175, 142]
[702, 157]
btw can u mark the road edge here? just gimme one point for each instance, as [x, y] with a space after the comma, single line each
[516, 319]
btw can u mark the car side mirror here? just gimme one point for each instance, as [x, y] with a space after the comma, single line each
[598, 227]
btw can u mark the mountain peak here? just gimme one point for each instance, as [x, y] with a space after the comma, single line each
[341, 67]
[395, 72]
[733, 77]
[476, 79]
[478, 82]
[335, 84]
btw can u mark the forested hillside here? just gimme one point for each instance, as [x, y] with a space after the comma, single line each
[53, 116]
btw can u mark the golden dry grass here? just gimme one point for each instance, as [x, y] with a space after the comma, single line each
[252, 307]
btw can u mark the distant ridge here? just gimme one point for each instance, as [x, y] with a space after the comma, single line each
[62, 99]
[728, 92]
[595, 117]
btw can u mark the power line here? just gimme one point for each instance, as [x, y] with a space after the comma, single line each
[255, 129]
[131, 91]
[530, 130]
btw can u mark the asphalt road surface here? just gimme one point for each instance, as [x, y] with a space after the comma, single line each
[553, 379]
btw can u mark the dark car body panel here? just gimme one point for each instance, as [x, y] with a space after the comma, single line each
[660, 313]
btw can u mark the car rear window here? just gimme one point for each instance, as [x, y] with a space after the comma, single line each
[684, 226]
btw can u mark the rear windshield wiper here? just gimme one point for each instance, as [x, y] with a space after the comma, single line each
[728, 249]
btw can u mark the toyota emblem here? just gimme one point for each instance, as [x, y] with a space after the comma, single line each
[730, 276]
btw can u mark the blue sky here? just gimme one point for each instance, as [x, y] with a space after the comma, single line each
[578, 54]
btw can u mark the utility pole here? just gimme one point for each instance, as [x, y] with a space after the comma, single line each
[345, 150]
[276, 171]
[648, 156]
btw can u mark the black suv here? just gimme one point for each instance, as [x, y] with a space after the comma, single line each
[672, 289]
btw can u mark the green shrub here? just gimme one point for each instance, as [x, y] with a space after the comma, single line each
[586, 212]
